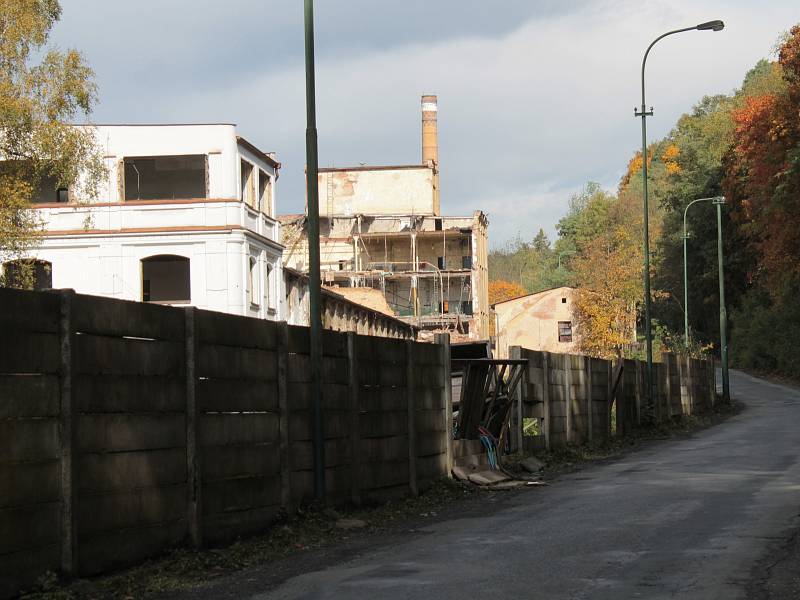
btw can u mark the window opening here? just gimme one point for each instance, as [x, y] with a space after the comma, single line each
[565, 331]
[264, 193]
[563, 300]
[165, 177]
[28, 274]
[248, 190]
[166, 279]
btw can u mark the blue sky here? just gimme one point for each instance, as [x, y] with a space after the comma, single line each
[535, 97]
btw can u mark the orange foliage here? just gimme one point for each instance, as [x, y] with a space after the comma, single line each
[501, 290]
[670, 159]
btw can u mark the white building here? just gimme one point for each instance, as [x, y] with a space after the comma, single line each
[187, 217]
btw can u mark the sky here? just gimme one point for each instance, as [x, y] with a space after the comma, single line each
[536, 97]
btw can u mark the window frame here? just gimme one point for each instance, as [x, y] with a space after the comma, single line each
[564, 326]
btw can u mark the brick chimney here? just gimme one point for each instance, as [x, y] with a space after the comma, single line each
[430, 143]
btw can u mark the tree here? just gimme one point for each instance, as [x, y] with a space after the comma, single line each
[500, 290]
[41, 92]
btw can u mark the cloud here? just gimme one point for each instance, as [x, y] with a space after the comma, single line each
[535, 98]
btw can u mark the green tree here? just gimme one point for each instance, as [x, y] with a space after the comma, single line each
[42, 91]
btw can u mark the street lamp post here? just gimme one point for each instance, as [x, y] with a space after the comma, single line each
[314, 284]
[644, 113]
[718, 201]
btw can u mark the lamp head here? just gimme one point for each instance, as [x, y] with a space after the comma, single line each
[718, 200]
[712, 25]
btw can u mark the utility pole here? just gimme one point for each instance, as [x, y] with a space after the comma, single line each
[312, 204]
[723, 313]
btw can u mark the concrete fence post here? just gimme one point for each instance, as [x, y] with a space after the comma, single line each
[195, 488]
[690, 385]
[355, 410]
[666, 358]
[587, 365]
[411, 400]
[443, 339]
[67, 435]
[568, 394]
[282, 357]
[515, 353]
[546, 398]
[638, 392]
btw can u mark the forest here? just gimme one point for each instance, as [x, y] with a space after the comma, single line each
[744, 146]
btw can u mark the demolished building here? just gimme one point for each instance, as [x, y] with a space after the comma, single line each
[381, 228]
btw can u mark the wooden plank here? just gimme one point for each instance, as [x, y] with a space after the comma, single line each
[29, 396]
[334, 370]
[129, 393]
[337, 484]
[123, 356]
[31, 353]
[231, 395]
[30, 483]
[22, 310]
[30, 440]
[224, 462]
[109, 512]
[334, 343]
[227, 362]
[130, 470]
[392, 374]
[128, 432]
[24, 527]
[215, 328]
[112, 317]
[241, 493]
[381, 398]
[248, 428]
[128, 546]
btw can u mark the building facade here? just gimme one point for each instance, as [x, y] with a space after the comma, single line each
[187, 218]
[381, 228]
[542, 321]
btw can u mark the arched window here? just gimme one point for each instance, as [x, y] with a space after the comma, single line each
[28, 273]
[165, 279]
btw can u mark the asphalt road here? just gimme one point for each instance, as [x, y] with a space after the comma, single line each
[688, 518]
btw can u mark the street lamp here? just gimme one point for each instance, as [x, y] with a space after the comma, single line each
[644, 113]
[717, 201]
[314, 284]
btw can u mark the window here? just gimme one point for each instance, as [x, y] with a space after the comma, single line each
[466, 262]
[165, 279]
[164, 177]
[563, 301]
[466, 307]
[440, 262]
[62, 195]
[28, 274]
[269, 297]
[248, 185]
[264, 193]
[252, 279]
[565, 331]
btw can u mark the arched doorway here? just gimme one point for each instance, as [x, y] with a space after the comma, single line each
[166, 279]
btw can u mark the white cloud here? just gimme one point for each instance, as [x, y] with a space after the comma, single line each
[526, 115]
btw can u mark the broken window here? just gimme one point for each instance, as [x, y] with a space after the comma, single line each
[165, 177]
[265, 193]
[165, 279]
[466, 262]
[565, 331]
[28, 274]
[248, 184]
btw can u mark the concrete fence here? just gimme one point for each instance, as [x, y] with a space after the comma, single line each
[569, 398]
[127, 428]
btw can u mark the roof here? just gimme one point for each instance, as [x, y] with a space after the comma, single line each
[260, 153]
[560, 287]
[153, 124]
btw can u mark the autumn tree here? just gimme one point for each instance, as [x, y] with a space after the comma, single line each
[42, 91]
[500, 290]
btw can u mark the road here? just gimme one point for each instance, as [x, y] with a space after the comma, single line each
[684, 518]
